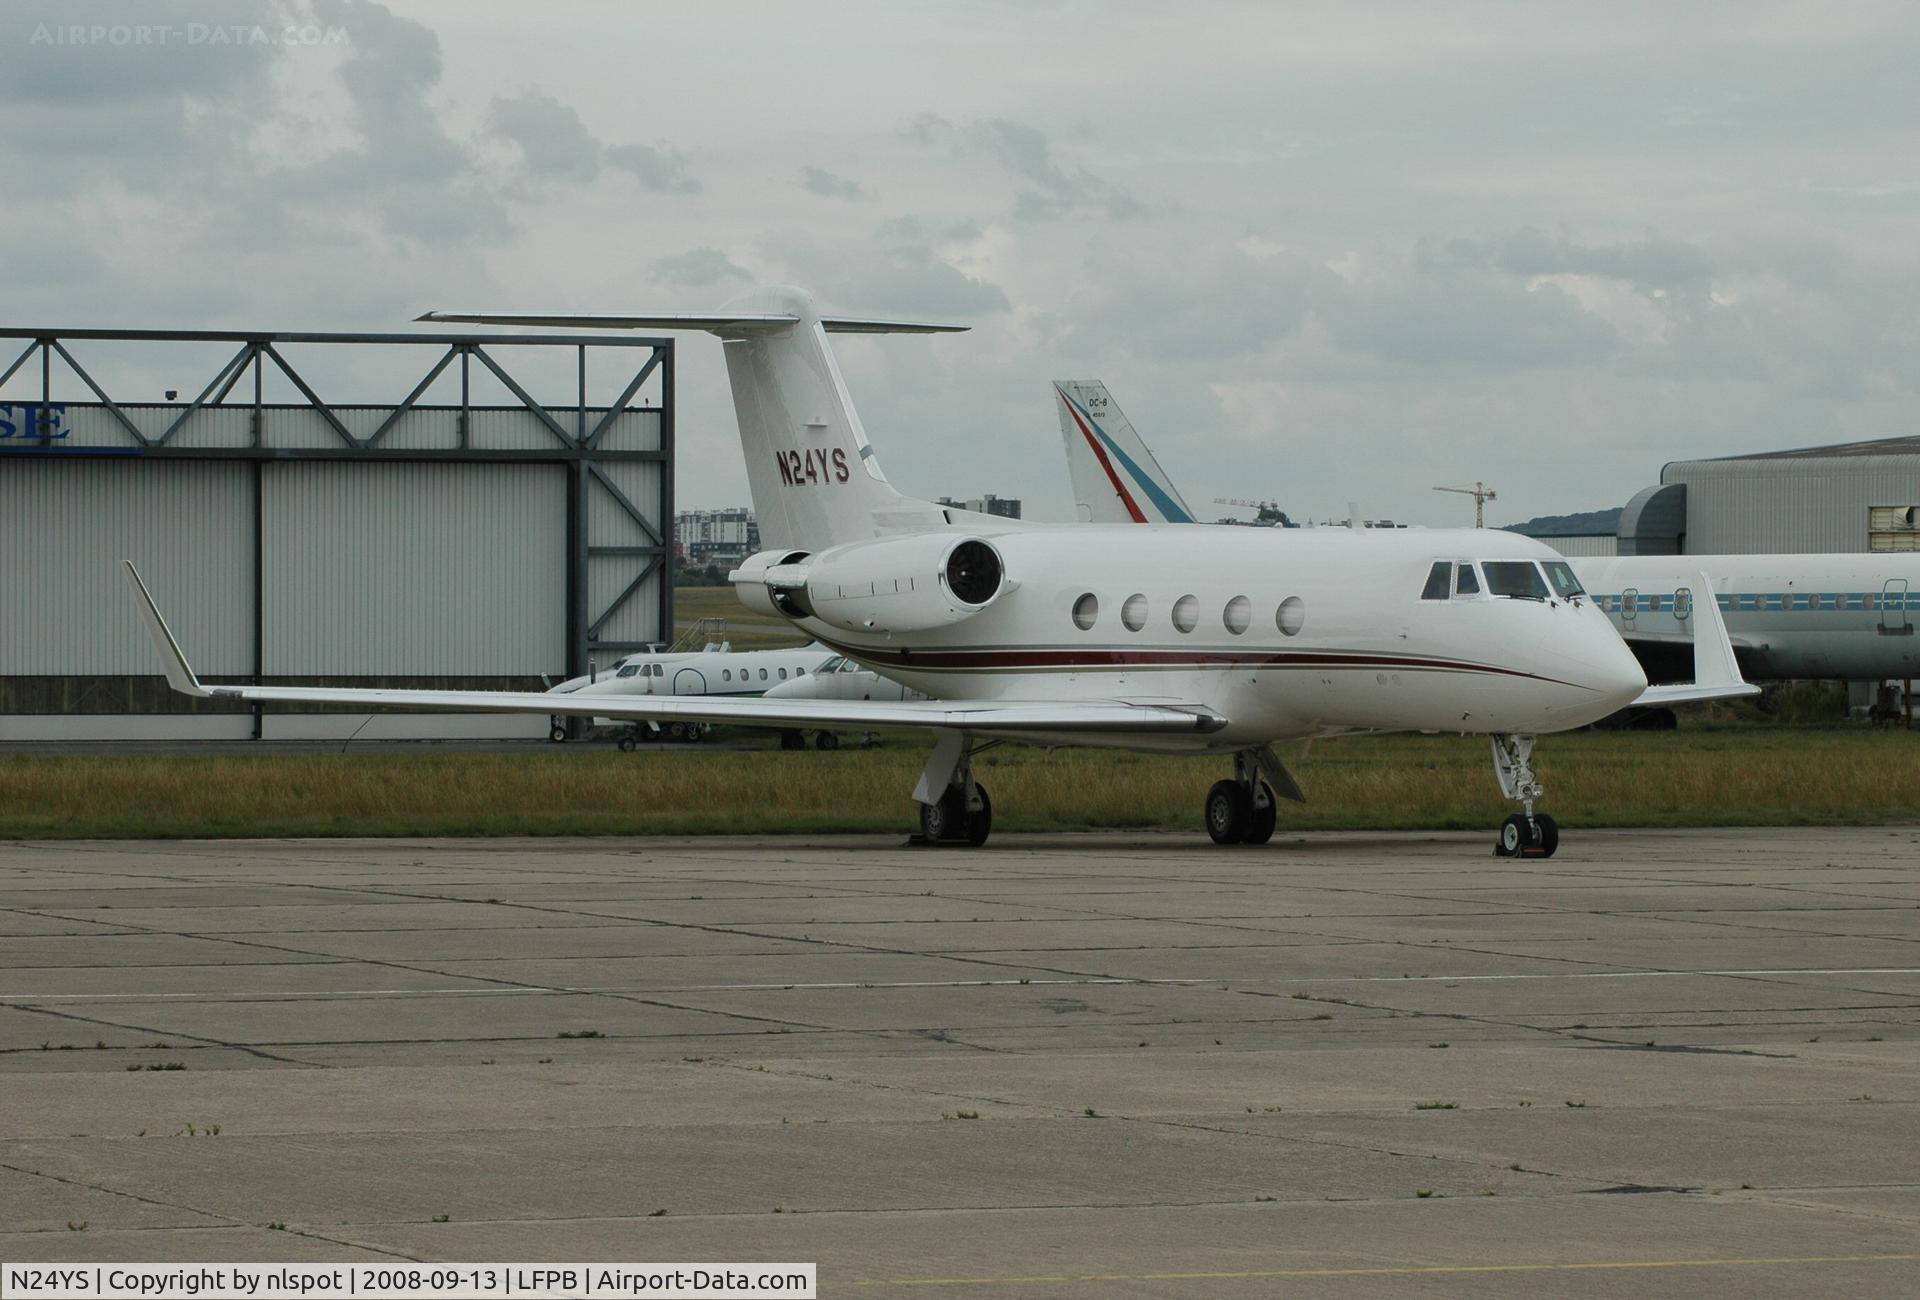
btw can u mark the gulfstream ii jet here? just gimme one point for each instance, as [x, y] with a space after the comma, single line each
[1175, 639]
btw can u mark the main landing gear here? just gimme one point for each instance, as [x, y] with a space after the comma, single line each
[1243, 810]
[1525, 834]
[961, 812]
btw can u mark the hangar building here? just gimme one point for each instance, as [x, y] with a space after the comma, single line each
[1850, 497]
[460, 534]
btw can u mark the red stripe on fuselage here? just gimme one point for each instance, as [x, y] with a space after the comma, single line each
[1099, 454]
[1014, 659]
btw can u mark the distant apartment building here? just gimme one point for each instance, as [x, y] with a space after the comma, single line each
[1005, 507]
[715, 536]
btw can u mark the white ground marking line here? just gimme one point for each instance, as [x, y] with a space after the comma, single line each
[560, 989]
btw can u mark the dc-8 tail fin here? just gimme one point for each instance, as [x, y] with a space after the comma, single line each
[1116, 479]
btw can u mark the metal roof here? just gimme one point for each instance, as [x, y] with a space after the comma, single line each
[1907, 445]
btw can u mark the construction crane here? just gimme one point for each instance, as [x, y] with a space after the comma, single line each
[1481, 494]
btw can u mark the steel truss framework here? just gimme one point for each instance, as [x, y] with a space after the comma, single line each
[576, 439]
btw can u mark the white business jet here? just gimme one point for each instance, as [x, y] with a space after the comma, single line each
[1845, 616]
[1181, 639]
[718, 670]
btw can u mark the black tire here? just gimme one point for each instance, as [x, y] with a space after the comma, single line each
[1549, 830]
[945, 821]
[980, 820]
[1261, 821]
[792, 740]
[1229, 812]
[826, 740]
[1515, 835]
[628, 744]
[676, 731]
[558, 735]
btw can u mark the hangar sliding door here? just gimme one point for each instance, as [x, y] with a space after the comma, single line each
[72, 652]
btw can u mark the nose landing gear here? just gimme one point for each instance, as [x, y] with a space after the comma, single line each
[1525, 834]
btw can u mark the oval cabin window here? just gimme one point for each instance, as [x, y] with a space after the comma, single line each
[1186, 614]
[1291, 616]
[1238, 615]
[1134, 613]
[1086, 612]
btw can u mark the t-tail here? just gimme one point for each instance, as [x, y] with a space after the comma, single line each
[812, 472]
[1116, 480]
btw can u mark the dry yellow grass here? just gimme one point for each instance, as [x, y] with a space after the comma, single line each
[1732, 777]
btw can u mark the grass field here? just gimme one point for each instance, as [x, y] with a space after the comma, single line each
[1731, 776]
[745, 629]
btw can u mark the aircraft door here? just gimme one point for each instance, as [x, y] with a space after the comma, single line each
[1893, 609]
[689, 681]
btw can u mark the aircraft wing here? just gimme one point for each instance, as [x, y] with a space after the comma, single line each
[983, 716]
[1716, 673]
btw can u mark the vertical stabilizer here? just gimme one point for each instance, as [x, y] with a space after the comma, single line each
[1116, 480]
[814, 477]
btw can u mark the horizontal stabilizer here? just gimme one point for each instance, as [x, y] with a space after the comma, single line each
[727, 324]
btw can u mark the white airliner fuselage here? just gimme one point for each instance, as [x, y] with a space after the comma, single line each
[1283, 634]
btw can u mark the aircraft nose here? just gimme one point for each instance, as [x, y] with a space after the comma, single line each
[1608, 668]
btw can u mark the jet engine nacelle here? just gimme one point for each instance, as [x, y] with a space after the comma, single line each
[903, 584]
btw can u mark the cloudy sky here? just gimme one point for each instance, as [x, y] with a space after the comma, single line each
[1319, 252]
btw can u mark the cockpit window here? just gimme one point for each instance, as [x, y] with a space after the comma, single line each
[1519, 578]
[631, 670]
[832, 665]
[1466, 584]
[849, 667]
[1439, 582]
[1563, 579]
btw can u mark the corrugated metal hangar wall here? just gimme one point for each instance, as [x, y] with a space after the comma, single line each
[403, 544]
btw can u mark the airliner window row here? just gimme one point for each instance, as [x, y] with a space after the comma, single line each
[1515, 579]
[1236, 616]
[1761, 602]
[746, 674]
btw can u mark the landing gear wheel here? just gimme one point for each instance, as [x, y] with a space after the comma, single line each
[946, 820]
[1229, 812]
[826, 740]
[676, 731]
[1518, 839]
[628, 744]
[1261, 822]
[1515, 835]
[558, 735]
[792, 740]
[980, 820]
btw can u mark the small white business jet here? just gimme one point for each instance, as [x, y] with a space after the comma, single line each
[1186, 639]
[718, 670]
[1845, 616]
